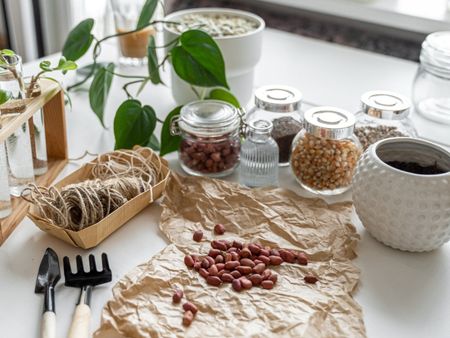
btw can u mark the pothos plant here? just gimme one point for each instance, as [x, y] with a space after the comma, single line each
[194, 55]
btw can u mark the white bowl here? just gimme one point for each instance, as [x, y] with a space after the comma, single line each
[404, 210]
[241, 54]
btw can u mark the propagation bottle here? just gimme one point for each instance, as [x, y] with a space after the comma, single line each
[259, 156]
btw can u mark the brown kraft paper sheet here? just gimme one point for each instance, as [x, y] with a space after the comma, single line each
[142, 303]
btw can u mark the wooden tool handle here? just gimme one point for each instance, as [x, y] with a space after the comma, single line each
[48, 325]
[80, 322]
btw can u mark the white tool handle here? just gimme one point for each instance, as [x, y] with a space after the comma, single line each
[80, 322]
[49, 325]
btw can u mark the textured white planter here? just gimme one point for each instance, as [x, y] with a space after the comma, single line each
[403, 210]
[241, 54]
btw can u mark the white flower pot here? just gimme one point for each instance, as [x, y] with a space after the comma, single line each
[404, 210]
[241, 54]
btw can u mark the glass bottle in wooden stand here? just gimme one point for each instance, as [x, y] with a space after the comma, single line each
[5, 199]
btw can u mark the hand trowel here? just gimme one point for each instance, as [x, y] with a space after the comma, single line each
[47, 278]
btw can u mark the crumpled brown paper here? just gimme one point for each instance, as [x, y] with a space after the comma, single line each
[142, 304]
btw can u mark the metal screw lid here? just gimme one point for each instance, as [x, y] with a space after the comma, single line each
[329, 122]
[386, 105]
[277, 98]
[260, 126]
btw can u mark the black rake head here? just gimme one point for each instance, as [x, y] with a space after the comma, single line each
[92, 277]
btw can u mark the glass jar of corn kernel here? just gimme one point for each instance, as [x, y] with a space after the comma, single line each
[325, 152]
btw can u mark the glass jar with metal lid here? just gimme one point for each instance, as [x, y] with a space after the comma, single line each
[210, 132]
[281, 106]
[431, 87]
[325, 152]
[383, 114]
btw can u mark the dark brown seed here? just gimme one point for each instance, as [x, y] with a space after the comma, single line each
[275, 260]
[203, 272]
[197, 265]
[244, 270]
[264, 259]
[213, 270]
[198, 235]
[259, 268]
[302, 259]
[236, 284]
[220, 266]
[231, 265]
[228, 257]
[227, 278]
[287, 256]
[235, 274]
[188, 306]
[213, 280]
[219, 229]
[219, 245]
[188, 317]
[245, 253]
[273, 277]
[310, 279]
[266, 274]
[219, 259]
[274, 252]
[267, 284]
[247, 262]
[255, 279]
[254, 249]
[246, 283]
[234, 256]
[232, 249]
[220, 273]
[214, 253]
[205, 263]
[210, 260]
[177, 295]
[257, 261]
[189, 261]
[237, 244]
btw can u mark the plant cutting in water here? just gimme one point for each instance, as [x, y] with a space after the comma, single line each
[195, 57]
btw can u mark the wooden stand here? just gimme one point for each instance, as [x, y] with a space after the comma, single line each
[52, 102]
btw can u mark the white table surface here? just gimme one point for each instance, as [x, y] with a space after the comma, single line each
[402, 294]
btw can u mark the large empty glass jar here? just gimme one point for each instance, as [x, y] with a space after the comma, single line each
[431, 88]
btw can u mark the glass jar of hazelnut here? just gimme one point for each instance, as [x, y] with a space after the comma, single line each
[325, 152]
[211, 142]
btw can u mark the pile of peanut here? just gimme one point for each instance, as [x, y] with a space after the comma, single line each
[324, 164]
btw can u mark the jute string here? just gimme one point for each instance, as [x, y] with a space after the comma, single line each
[117, 177]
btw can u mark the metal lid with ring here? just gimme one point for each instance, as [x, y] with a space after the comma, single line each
[329, 122]
[206, 118]
[386, 105]
[277, 98]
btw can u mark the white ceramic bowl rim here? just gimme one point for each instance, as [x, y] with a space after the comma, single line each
[237, 12]
[425, 144]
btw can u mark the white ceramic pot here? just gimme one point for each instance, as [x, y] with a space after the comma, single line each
[404, 210]
[241, 54]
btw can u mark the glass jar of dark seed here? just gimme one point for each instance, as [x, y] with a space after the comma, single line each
[281, 106]
[210, 133]
[383, 114]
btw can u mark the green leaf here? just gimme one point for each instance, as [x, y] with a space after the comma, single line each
[45, 65]
[79, 40]
[66, 65]
[99, 90]
[153, 69]
[198, 60]
[8, 52]
[169, 143]
[146, 13]
[154, 143]
[133, 124]
[5, 96]
[224, 95]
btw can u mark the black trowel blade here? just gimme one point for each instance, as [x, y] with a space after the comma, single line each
[48, 274]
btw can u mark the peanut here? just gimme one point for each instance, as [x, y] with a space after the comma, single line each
[236, 284]
[213, 280]
[259, 268]
[220, 266]
[214, 253]
[219, 259]
[275, 260]
[247, 262]
[197, 265]
[244, 270]
[267, 284]
[205, 263]
[237, 244]
[302, 259]
[231, 265]
[203, 272]
[246, 283]
[264, 252]
[213, 270]
[177, 295]
[188, 317]
[188, 306]
[273, 277]
[235, 274]
[264, 259]
[254, 249]
[189, 261]
[227, 278]
[255, 279]
[287, 256]
[219, 245]
[245, 253]
[219, 229]
[311, 279]
[198, 235]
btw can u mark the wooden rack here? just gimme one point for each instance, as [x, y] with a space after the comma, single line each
[51, 101]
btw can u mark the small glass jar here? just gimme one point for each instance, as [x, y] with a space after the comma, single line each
[259, 156]
[11, 78]
[431, 87]
[383, 114]
[281, 106]
[210, 132]
[325, 152]
[5, 199]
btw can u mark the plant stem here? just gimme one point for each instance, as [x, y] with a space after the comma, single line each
[125, 87]
[128, 76]
[79, 83]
